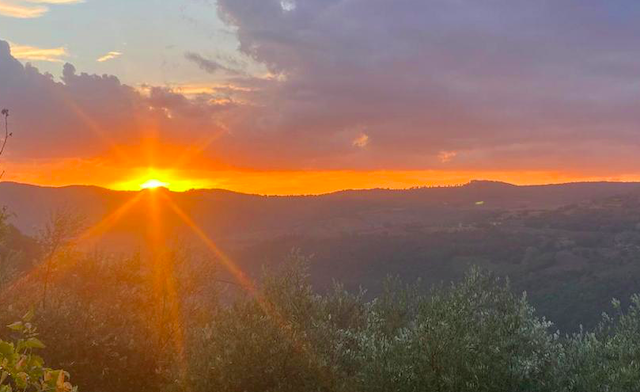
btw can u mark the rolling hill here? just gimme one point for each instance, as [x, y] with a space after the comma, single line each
[572, 247]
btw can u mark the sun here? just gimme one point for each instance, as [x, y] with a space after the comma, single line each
[153, 184]
[151, 178]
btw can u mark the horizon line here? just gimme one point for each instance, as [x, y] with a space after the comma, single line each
[391, 189]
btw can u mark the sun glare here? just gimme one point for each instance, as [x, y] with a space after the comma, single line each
[159, 178]
[153, 184]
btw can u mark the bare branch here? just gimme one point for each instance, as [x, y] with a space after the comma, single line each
[5, 114]
[7, 134]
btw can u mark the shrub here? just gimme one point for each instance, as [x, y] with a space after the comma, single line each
[138, 324]
[21, 369]
[473, 336]
[607, 359]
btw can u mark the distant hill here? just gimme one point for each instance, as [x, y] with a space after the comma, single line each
[572, 247]
[236, 218]
[236, 215]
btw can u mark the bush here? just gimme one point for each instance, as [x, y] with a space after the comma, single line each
[607, 359]
[474, 336]
[21, 369]
[139, 324]
[274, 340]
[112, 321]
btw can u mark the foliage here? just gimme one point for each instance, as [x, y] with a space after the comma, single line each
[16, 250]
[607, 359]
[109, 319]
[171, 321]
[21, 369]
[475, 336]
[7, 265]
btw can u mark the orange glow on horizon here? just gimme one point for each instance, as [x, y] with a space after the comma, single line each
[179, 166]
[163, 279]
[275, 182]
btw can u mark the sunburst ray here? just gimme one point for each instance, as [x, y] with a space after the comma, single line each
[302, 345]
[98, 229]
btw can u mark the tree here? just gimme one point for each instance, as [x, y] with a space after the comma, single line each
[7, 134]
[608, 358]
[58, 233]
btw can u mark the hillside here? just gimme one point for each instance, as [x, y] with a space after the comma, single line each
[571, 247]
[236, 215]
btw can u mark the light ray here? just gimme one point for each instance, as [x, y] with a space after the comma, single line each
[111, 220]
[196, 150]
[303, 346]
[237, 273]
[92, 124]
[181, 161]
[96, 230]
[164, 285]
[163, 280]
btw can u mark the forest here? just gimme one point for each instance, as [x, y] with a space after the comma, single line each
[175, 323]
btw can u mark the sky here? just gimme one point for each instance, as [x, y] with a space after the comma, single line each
[314, 96]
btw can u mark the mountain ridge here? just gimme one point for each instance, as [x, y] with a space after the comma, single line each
[233, 211]
[470, 184]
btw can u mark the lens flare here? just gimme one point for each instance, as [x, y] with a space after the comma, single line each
[92, 232]
[286, 326]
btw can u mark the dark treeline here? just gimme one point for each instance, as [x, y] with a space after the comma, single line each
[133, 323]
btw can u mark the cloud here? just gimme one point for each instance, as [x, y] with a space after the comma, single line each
[20, 10]
[207, 65]
[447, 156]
[288, 5]
[518, 83]
[32, 53]
[361, 141]
[85, 116]
[55, 1]
[507, 85]
[24, 9]
[109, 56]
[219, 91]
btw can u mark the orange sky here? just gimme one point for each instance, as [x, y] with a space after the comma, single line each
[424, 94]
[272, 182]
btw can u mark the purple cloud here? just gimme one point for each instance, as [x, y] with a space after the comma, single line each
[530, 84]
[442, 84]
[86, 116]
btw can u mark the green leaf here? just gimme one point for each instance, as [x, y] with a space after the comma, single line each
[3, 377]
[34, 343]
[6, 349]
[17, 326]
[29, 316]
[21, 380]
[36, 361]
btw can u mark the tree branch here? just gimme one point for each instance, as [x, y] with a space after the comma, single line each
[5, 114]
[7, 134]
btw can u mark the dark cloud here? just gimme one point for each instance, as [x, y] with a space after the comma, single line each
[507, 82]
[207, 65]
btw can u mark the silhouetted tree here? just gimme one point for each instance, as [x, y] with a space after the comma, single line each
[7, 134]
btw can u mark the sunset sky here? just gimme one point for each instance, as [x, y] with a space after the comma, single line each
[313, 96]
